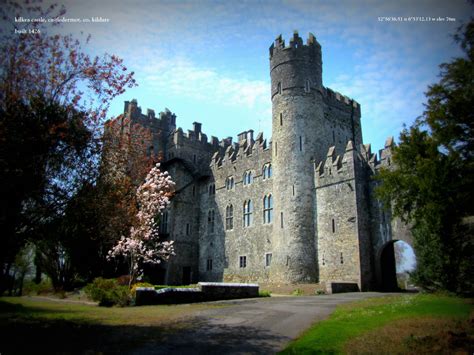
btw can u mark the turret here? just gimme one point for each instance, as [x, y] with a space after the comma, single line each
[299, 132]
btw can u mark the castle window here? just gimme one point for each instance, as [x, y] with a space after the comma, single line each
[248, 210]
[212, 189]
[248, 179]
[209, 265]
[276, 149]
[267, 209]
[267, 171]
[188, 229]
[164, 222]
[268, 259]
[279, 88]
[229, 183]
[333, 224]
[307, 86]
[194, 158]
[243, 262]
[210, 221]
[324, 260]
[301, 143]
[293, 190]
[281, 220]
[281, 119]
[229, 217]
[342, 259]
[194, 190]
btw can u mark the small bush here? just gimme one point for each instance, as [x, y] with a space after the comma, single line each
[297, 292]
[108, 292]
[320, 292]
[32, 288]
[264, 293]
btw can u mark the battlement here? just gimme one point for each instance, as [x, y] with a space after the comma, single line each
[341, 101]
[337, 168]
[245, 148]
[296, 42]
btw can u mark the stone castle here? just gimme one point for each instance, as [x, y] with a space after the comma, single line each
[297, 209]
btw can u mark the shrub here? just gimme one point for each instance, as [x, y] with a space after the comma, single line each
[32, 288]
[108, 292]
[320, 292]
[297, 292]
[264, 293]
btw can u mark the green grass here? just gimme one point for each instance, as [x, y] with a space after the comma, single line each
[54, 326]
[356, 319]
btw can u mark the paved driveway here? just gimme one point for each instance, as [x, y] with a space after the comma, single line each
[252, 326]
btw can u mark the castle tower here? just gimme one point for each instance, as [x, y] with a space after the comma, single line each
[298, 138]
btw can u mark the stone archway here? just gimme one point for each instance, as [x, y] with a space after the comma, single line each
[387, 266]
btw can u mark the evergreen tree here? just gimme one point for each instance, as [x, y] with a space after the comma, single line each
[432, 185]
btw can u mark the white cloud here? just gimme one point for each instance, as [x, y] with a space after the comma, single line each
[181, 77]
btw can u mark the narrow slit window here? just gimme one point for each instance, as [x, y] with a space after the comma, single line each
[301, 143]
[281, 220]
[333, 224]
[281, 119]
[342, 259]
[293, 190]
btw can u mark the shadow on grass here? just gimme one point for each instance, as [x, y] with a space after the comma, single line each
[22, 333]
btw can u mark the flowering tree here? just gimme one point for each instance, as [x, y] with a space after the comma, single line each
[143, 246]
[54, 98]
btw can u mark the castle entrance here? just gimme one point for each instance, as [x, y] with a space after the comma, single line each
[396, 260]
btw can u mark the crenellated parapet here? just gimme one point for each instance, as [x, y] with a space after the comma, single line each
[337, 168]
[245, 149]
[341, 102]
[297, 66]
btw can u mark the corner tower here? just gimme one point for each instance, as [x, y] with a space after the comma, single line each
[298, 131]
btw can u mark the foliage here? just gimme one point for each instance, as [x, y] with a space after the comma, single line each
[32, 288]
[353, 320]
[143, 246]
[432, 185]
[108, 292]
[53, 100]
[264, 293]
[298, 292]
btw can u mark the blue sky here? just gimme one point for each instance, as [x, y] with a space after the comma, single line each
[207, 61]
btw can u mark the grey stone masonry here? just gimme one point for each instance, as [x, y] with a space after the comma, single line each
[300, 207]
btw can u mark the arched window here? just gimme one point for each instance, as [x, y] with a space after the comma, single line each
[210, 221]
[229, 217]
[248, 209]
[248, 179]
[267, 209]
[229, 183]
[267, 171]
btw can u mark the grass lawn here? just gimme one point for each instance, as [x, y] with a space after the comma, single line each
[32, 326]
[413, 324]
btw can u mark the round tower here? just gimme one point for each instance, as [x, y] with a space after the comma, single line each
[297, 131]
